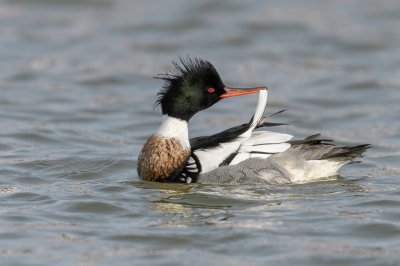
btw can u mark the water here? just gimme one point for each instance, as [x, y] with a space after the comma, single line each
[76, 106]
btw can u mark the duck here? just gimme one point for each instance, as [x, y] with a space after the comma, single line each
[238, 155]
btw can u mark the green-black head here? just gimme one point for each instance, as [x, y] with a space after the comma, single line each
[193, 85]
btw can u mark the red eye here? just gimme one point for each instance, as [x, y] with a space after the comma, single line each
[211, 90]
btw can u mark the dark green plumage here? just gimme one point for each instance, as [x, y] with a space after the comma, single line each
[186, 88]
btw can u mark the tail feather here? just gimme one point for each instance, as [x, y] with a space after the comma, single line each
[316, 149]
[347, 153]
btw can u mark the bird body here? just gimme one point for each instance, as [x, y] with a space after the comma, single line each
[237, 155]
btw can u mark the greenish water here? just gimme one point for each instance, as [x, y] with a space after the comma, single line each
[76, 106]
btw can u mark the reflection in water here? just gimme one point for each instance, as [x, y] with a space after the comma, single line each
[172, 208]
[9, 189]
[167, 188]
[262, 206]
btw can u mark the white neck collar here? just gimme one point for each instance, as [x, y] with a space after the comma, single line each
[176, 128]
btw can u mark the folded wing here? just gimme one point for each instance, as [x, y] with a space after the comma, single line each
[236, 144]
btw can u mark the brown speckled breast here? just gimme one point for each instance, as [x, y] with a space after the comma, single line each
[161, 159]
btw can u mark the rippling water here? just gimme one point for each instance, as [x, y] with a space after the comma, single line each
[76, 106]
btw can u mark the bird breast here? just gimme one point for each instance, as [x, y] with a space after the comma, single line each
[161, 159]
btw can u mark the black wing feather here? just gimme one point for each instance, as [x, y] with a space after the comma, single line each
[190, 173]
[230, 134]
[215, 140]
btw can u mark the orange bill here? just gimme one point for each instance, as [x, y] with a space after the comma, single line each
[231, 92]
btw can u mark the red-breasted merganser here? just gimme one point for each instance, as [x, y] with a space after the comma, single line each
[236, 155]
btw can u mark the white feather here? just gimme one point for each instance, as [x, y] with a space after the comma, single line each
[259, 155]
[172, 127]
[268, 148]
[262, 137]
[191, 160]
[210, 159]
[248, 142]
[273, 143]
[260, 108]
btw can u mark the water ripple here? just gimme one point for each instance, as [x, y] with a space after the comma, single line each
[77, 105]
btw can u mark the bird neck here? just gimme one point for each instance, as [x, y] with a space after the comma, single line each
[166, 152]
[174, 128]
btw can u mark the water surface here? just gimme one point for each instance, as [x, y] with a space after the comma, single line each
[76, 106]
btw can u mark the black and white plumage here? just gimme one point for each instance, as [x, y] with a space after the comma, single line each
[238, 154]
[235, 145]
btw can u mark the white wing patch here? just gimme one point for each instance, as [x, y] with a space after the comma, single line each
[261, 145]
[249, 144]
[267, 148]
[263, 137]
[210, 159]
